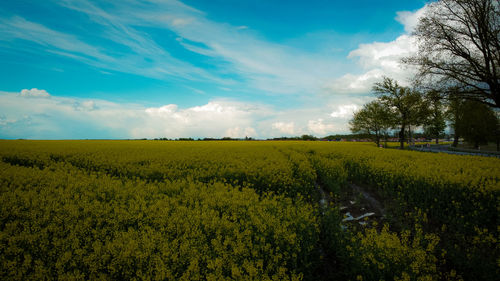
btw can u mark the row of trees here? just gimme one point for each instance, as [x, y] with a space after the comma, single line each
[458, 78]
[403, 109]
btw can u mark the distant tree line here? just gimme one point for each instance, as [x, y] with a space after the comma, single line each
[204, 139]
[303, 137]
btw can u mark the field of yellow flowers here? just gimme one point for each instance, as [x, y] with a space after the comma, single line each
[232, 210]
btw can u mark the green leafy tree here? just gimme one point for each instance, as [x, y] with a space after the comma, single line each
[477, 123]
[308, 137]
[454, 114]
[374, 119]
[459, 48]
[406, 104]
[434, 124]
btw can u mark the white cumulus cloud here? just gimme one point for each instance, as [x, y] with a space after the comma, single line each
[284, 127]
[219, 118]
[410, 19]
[34, 93]
[238, 132]
[379, 59]
[319, 127]
[383, 55]
[86, 105]
[76, 118]
[344, 111]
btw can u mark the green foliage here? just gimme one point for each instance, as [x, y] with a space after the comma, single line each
[308, 137]
[434, 123]
[374, 119]
[407, 104]
[476, 122]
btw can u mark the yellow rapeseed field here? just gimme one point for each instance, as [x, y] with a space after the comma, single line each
[233, 210]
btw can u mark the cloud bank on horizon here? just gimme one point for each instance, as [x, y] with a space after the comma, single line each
[147, 69]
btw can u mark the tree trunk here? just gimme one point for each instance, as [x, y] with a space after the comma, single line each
[437, 139]
[497, 132]
[377, 139]
[409, 135]
[456, 136]
[402, 137]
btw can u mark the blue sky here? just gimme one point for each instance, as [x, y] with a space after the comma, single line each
[161, 68]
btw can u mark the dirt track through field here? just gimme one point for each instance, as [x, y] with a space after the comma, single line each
[368, 206]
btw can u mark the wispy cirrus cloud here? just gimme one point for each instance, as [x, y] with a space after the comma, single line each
[265, 65]
[237, 53]
[144, 57]
[15, 28]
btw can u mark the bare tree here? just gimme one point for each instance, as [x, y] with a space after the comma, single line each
[459, 49]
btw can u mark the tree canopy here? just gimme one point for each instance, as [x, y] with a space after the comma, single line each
[374, 119]
[477, 123]
[405, 103]
[434, 123]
